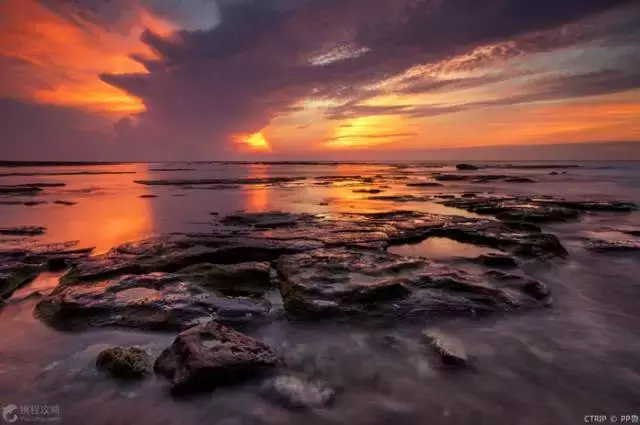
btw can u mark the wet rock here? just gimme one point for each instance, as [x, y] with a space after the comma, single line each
[603, 206]
[268, 220]
[23, 231]
[22, 202]
[466, 167]
[243, 278]
[13, 275]
[539, 215]
[372, 191]
[148, 196]
[125, 362]
[157, 301]
[604, 245]
[400, 198]
[519, 180]
[424, 184]
[535, 209]
[449, 349]
[519, 239]
[296, 392]
[357, 283]
[66, 203]
[170, 254]
[496, 261]
[450, 177]
[211, 355]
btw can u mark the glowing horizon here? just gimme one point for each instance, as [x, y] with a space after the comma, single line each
[125, 78]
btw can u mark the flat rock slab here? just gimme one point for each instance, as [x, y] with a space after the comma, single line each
[535, 209]
[23, 231]
[157, 301]
[211, 355]
[358, 283]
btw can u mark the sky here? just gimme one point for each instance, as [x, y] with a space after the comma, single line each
[161, 80]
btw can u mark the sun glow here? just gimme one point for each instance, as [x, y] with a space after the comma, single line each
[255, 142]
[367, 131]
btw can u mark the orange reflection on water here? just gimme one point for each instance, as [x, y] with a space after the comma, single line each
[106, 218]
[257, 196]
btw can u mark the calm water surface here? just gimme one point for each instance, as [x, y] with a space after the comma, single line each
[553, 366]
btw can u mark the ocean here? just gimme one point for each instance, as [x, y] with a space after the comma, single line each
[556, 365]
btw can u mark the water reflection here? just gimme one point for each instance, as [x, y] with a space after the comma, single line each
[108, 212]
[257, 198]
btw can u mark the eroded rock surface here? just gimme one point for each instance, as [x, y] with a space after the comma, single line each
[535, 210]
[356, 283]
[157, 301]
[211, 355]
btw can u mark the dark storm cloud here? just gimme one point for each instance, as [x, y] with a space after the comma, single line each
[208, 85]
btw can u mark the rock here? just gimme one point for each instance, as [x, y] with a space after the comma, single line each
[519, 180]
[424, 184]
[211, 355]
[15, 274]
[242, 278]
[604, 245]
[400, 198]
[66, 203]
[269, 220]
[553, 173]
[497, 261]
[157, 301]
[449, 349]
[148, 196]
[521, 239]
[23, 231]
[466, 167]
[357, 283]
[368, 191]
[299, 393]
[125, 362]
[535, 209]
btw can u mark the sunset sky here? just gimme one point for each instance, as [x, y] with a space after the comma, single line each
[312, 79]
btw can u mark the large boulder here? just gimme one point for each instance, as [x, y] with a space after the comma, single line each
[352, 283]
[211, 355]
[156, 301]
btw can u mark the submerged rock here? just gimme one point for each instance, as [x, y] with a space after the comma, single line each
[299, 393]
[496, 261]
[424, 184]
[449, 349]
[157, 301]
[23, 231]
[535, 209]
[211, 355]
[356, 283]
[13, 275]
[604, 245]
[125, 362]
[372, 191]
[466, 167]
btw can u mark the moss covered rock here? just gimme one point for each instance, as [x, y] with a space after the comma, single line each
[125, 362]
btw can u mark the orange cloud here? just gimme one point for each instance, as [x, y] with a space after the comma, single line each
[64, 60]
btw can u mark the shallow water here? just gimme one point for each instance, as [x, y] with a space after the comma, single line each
[552, 366]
